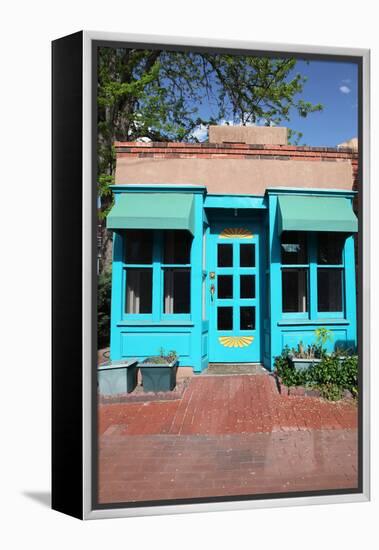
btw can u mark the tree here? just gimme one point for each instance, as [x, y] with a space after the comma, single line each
[159, 95]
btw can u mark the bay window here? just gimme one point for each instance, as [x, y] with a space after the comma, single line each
[157, 273]
[313, 274]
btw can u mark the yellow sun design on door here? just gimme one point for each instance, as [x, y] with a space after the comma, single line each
[236, 233]
[236, 341]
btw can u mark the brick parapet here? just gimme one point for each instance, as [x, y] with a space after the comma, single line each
[170, 150]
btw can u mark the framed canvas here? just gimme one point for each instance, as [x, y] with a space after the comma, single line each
[210, 275]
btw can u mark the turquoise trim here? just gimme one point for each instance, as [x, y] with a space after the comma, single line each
[307, 191]
[235, 201]
[147, 323]
[324, 321]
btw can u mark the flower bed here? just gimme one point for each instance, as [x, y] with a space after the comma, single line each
[334, 377]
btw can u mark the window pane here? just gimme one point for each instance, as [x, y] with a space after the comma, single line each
[329, 289]
[177, 247]
[247, 286]
[294, 290]
[138, 290]
[247, 255]
[224, 318]
[294, 247]
[177, 291]
[225, 255]
[138, 246]
[330, 246]
[225, 286]
[247, 318]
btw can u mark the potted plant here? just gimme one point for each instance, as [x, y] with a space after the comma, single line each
[303, 357]
[115, 377]
[159, 371]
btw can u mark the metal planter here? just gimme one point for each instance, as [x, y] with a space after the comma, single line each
[117, 377]
[158, 377]
[302, 364]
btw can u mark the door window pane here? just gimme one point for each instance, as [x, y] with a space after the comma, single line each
[138, 246]
[247, 318]
[294, 290]
[294, 247]
[177, 247]
[329, 289]
[225, 255]
[247, 255]
[139, 290]
[247, 286]
[225, 286]
[330, 246]
[176, 297]
[224, 318]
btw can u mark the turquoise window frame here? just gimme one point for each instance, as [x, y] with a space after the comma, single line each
[312, 294]
[299, 314]
[157, 266]
[333, 314]
[135, 316]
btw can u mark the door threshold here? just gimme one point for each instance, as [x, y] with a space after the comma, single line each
[228, 369]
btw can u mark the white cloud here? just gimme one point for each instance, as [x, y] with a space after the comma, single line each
[200, 132]
[344, 89]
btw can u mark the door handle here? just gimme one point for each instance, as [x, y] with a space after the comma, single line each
[212, 291]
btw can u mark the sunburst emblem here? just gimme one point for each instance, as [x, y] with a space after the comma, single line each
[235, 233]
[236, 341]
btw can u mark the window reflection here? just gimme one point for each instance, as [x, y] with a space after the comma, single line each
[294, 290]
[294, 247]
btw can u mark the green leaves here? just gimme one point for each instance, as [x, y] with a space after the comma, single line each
[160, 95]
[167, 96]
[104, 308]
[331, 376]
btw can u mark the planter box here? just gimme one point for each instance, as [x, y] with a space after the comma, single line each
[301, 364]
[117, 377]
[158, 377]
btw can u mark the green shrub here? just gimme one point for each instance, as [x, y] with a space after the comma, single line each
[336, 371]
[285, 370]
[332, 375]
[332, 392]
[104, 285]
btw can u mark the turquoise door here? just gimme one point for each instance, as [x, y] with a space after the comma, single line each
[233, 285]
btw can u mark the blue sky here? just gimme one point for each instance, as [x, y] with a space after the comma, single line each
[334, 85]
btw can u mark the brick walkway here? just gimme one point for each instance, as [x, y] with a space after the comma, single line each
[228, 435]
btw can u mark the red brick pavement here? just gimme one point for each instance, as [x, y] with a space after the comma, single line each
[228, 435]
[228, 404]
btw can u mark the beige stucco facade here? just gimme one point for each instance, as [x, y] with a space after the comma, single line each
[235, 176]
[237, 160]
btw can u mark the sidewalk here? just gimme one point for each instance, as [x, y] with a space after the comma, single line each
[228, 435]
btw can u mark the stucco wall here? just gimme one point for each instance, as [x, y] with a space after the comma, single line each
[248, 134]
[235, 176]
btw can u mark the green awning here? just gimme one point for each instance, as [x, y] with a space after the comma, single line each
[152, 211]
[311, 213]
